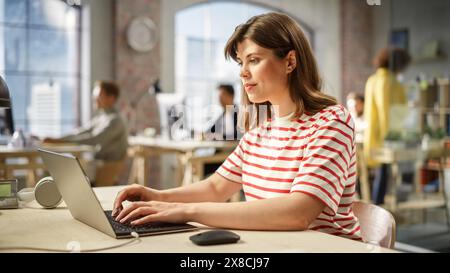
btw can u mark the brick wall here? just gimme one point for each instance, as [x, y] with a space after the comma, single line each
[134, 72]
[357, 45]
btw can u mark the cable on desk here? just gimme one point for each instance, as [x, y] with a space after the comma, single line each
[134, 234]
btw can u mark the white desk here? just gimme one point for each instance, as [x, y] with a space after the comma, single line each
[56, 229]
[190, 167]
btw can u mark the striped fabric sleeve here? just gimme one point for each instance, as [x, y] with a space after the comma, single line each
[324, 170]
[231, 168]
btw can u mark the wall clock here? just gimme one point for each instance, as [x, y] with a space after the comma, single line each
[141, 34]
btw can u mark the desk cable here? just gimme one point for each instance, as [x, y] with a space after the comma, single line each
[135, 238]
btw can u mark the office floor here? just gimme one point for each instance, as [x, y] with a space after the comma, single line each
[430, 233]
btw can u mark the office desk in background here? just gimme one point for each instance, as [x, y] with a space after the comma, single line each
[395, 156]
[55, 228]
[190, 167]
[28, 159]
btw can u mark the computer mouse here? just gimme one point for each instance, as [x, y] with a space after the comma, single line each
[215, 237]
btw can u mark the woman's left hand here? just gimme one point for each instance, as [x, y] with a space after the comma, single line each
[138, 213]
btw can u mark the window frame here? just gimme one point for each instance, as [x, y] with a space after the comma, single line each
[29, 74]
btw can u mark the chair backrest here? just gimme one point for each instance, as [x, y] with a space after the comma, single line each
[377, 224]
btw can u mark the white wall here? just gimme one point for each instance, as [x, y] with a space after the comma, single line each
[321, 15]
[426, 20]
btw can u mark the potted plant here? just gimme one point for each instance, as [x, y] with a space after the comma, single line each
[394, 140]
[433, 139]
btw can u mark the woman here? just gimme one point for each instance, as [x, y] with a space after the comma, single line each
[296, 167]
[383, 91]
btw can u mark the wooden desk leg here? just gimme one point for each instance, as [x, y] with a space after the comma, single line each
[397, 181]
[31, 173]
[137, 171]
[142, 170]
[139, 165]
[364, 184]
[417, 176]
[10, 174]
[133, 171]
[185, 167]
[145, 176]
[3, 169]
[31, 178]
[7, 172]
[179, 170]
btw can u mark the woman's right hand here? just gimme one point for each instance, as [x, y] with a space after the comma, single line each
[132, 193]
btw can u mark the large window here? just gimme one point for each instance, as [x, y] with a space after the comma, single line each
[40, 60]
[201, 32]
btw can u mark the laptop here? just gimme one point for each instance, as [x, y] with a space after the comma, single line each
[84, 206]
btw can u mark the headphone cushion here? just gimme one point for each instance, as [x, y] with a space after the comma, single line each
[47, 194]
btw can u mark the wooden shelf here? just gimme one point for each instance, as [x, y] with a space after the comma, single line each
[435, 103]
[426, 60]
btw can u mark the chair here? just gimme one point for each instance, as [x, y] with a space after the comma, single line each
[377, 224]
[108, 173]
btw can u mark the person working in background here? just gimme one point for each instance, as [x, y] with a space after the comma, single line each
[355, 105]
[107, 131]
[225, 126]
[383, 91]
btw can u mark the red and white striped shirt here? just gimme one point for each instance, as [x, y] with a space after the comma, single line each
[313, 154]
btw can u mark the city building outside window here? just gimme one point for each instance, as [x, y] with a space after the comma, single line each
[40, 61]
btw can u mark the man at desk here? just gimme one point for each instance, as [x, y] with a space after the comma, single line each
[225, 126]
[107, 131]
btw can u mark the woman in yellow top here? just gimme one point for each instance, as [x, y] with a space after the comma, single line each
[382, 91]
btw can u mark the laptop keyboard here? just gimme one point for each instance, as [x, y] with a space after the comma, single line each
[154, 227]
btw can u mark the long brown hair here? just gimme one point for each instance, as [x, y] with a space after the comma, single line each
[281, 34]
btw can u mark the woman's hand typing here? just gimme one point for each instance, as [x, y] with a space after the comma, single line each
[133, 193]
[138, 213]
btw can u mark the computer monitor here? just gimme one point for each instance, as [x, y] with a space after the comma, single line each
[171, 111]
[6, 122]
